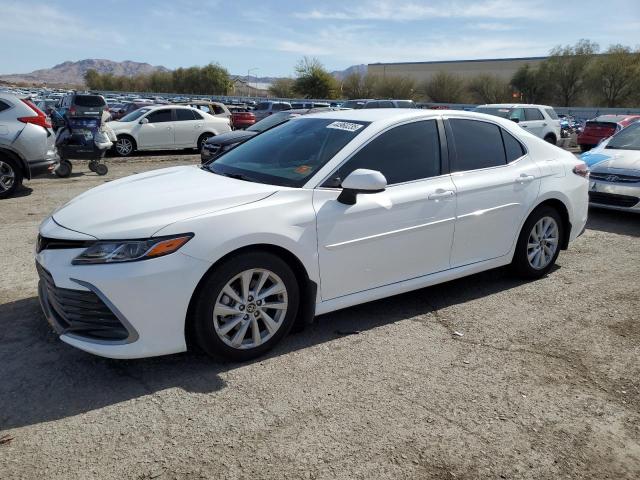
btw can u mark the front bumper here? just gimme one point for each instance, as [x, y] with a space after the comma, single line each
[614, 196]
[149, 298]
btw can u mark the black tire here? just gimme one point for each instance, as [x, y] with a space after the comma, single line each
[64, 169]
[92, 165]
[10, 176]
[203, 324]
[585, 148]
[101, 169]
[203, 138]
[551, 139]
[520, 264]
[121, 145]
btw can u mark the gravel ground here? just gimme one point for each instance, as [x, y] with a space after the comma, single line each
[543, 384]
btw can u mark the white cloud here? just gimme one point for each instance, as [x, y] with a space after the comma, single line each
[411, 10]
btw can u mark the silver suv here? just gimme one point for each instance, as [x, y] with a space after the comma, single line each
[27, 143]
[264, 109]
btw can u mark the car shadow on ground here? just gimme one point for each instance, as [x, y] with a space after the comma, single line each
[22, 191]
[614, 221]
[154, 153]
[44, 379]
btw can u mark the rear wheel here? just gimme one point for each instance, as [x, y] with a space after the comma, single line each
[585, 148]
[125, 146]
[64, 169]
[202, 139]
[539, 243]
[10, 177]
[551, 139]
[246, 306]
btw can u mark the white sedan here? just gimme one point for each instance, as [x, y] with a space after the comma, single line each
[166, 127]
[323, 212]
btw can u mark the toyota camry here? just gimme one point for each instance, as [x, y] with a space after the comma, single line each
[321, 213]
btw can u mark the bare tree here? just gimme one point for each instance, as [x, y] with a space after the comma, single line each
[445, 87]
[489, 89]
[613, 76]
[567, 70]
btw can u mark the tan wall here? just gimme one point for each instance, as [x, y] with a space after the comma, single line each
[424, 71]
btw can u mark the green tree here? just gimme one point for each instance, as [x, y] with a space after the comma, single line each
[313, 81]
[532, 84]
[489, 89]
[445, 87]
[93, 80]
[395, 87]
[613, 76]
[356, 85]
[282, 88]
[567, 68]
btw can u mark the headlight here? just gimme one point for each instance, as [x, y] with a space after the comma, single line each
[118, 251]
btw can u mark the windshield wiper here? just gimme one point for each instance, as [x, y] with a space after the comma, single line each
[237, 176]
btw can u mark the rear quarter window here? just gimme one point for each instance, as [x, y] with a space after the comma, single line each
[4, 106]
[552, 113]
[89, 101]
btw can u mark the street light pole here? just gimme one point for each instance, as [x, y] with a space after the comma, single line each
[249, 75]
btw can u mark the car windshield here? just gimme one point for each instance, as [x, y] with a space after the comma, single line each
[136, 114]
[405, 104]
[627, 139]
[263, 106]
[289, 154]
[355, 104]
[270, 121]
[495, 111]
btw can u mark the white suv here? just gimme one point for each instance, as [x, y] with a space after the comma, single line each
[540, 120]
[163, 127]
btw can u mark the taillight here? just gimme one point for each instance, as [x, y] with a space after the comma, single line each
[39, 119]
[581, 170]
[72, 110]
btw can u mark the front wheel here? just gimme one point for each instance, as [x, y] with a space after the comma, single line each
[246, 306]
[539, 243]
[203, 138]
[124, 146]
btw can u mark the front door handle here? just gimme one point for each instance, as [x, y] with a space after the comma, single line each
[524, 178]
[440, 193]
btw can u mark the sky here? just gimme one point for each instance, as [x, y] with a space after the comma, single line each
[268, 38]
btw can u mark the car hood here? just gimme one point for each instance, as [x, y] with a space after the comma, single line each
[140, 205]
[605, 160]
[231, 137]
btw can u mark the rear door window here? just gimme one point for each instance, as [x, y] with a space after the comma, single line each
[533, 114]
[183, 114]
[477, 145]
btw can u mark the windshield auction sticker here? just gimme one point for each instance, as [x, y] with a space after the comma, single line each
[348, 126]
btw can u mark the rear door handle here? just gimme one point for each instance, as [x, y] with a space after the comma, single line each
[438, 194]
[524, 178]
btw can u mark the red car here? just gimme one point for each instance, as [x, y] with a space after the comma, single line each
[240, 117]
[603, 127]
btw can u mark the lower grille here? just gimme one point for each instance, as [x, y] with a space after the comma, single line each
[613, 199]
[79, 312]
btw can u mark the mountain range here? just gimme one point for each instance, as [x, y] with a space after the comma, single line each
[72, 73]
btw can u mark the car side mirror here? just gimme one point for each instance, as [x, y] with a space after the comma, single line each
[144, 121]
[515, 119]
[361, 180]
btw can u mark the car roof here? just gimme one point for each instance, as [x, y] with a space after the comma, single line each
[614, 118]
[513, 105]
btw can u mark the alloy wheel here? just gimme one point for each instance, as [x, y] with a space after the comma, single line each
[7, 176]
[542, 243]
[250, 309]
[124, 146]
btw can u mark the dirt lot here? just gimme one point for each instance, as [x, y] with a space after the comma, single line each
[543, 384]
